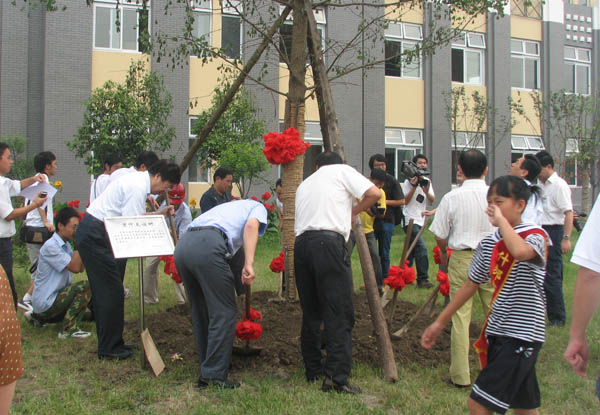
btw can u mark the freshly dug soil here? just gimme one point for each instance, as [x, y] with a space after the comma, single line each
[280, 342]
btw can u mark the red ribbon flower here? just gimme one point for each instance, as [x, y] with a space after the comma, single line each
[278, 263]
[436, 254]
[170, 268]
[442, 277]
[254, 315]
[248, 330]
[282, 148]
[399, 277]
[254, 198]
[73, 203]
[81, 215]
[269, 207]
[266, 196]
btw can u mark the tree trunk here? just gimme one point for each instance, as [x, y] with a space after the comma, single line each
[584, 181]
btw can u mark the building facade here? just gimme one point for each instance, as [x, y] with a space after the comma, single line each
[49, 67]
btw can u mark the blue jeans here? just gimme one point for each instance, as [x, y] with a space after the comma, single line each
[384, 238]
[419, 254]
[553, 284]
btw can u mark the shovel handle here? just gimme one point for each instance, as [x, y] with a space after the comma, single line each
[248, 300]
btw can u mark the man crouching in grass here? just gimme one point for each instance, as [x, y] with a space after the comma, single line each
[55, 297]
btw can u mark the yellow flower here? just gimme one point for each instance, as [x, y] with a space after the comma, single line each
[58, 184]
[193, 203]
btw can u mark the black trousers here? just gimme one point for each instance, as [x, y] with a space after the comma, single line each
[6, 260]
[324, 282]
[553, 283]
[105, 274]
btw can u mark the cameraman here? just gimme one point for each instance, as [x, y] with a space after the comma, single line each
[418, 190]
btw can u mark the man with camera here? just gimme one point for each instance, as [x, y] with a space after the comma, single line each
[417, 191]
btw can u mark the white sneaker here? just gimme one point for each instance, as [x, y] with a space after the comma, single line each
[31, 319]
[78, 334]
[126, 292]
[25, 305]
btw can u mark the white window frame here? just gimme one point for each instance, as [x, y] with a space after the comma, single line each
[193, 137]
[525, 56]
[320, 18]
[396, 139]
[203, 7]
[396, 32]
[580, 60]
[230, 9]
[571, 147]
[120, 6]
[467, 43]
[468, 138]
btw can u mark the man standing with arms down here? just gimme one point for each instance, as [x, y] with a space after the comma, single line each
[394, 199]
[416, 197]
[206, 259]
[219, 192]
[460, 223]
[557, 220]
[324, 211]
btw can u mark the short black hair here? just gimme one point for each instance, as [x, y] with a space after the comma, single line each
[147, 158]
[221, 173]
[327, 158]
[279, 183]
[112, 159]
[3, 147]
[64, 215]
[510, 186]
[376, 157]
[532, 165]
[545, 158]
[378, 174]
[473, 163]
[41, 160]
[420, 156]
[168, 171]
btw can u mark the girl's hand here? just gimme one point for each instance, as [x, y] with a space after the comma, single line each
[494, 215]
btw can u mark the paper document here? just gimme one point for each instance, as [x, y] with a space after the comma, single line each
[32, 191]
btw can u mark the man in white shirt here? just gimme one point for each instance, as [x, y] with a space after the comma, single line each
[324, 211]
[416, 197]
[8, 214]
[557, 220]
[142, 163]
[460, 223]
[112, 163]
[587, 292]
[124, 197]
[528, 168]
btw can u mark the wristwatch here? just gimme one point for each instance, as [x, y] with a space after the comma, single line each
[566, 236]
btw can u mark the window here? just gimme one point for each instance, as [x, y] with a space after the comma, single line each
[527, 8]
[198, 173]
[285, 34]
[525, 64]
[463, 141]
[202, 11]
[400, 39]
[571, 162]
[401, 145]
[524, 144]
[467, 58]
[578, 63]
[231, 29]
[121, 27]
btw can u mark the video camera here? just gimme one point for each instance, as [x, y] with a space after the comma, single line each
[409, 169]
[377, 210]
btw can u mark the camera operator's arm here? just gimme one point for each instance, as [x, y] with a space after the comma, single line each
[429, 191]
[413, 186]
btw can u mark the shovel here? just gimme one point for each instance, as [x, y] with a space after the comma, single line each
[246, 350]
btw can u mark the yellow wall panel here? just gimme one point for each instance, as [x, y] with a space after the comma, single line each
[203, 79]
[113, 66]
[311, 110]
[404, 103]
[529, 123]
[475, 24]
[196, 190]
[467, 121]
[525, 28]
[405, 13]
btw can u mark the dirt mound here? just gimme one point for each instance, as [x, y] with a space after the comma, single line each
[172, 332]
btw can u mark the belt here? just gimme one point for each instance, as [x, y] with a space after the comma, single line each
[466, 249]
[324, 233]
[208, 228]
[553, 226]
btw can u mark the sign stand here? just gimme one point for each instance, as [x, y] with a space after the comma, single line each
[139, 237]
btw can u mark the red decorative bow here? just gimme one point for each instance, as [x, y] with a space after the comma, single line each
[278, 263]
[399, 277]
[282, 148]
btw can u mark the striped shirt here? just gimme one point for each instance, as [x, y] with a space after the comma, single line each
[520, 309]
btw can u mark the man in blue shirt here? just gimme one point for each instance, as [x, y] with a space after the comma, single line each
[209, 260]
[55, 297]
[219, 192]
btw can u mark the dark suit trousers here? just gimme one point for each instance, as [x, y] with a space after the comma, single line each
[6, 260]
[105, 274]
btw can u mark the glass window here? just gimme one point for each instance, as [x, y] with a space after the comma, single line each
[535, 143]
[231, 36]
[201, 28]
[120, 27]
[396, 62]
[198, 172]
[102, 21]
[285, 41]
[525, 64]
[129, 29]
[393, 58]
[413, 31]
[467, 62]
[518, 142]
[577, 70]
[476, 40]
[582, 80]
[473, 73]
[570, 53]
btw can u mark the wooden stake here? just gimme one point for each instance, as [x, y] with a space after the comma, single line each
[396, 335]
[402, 263]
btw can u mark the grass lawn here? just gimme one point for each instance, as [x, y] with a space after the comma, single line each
[65, 376]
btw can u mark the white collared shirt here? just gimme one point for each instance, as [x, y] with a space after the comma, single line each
[534, 210]
[8, 188]
[123, 197]
[33, 218]
[461, 217]
[414, 208]
[99, 185]
[324, 200]
[123, 171]
[586, 250]
[557, 200]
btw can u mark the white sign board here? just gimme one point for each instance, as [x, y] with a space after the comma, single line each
[139, 236]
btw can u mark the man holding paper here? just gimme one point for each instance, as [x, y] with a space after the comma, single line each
[8, 214]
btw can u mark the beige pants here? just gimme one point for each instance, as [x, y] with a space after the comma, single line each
[458, 272]
[151, 283]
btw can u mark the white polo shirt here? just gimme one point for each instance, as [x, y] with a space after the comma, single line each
[586, 250]
[33, 218]
[99, 185]
[123, 171]
[324, 200]
[123, 197]
[8, 188]
[414, 208]
[461, 217]
[556, 198]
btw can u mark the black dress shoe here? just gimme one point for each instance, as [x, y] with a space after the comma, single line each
[314, 378]
[424, 284]
[131, 346]
[224, 384]
[456, 385]
[329, 385]
[122, 355]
